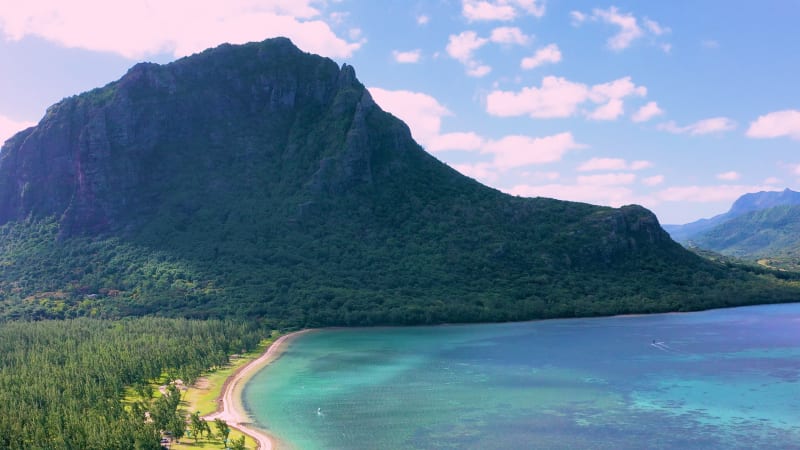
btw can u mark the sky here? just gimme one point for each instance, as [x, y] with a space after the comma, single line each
[680, 106]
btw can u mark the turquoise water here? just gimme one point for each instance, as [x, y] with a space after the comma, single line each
[716, 379]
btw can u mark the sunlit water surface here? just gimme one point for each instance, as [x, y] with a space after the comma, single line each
[716, 379]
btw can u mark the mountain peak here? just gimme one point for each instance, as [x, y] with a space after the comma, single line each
[763, 200]
[100, 157]
[264, 181]
[755, 201]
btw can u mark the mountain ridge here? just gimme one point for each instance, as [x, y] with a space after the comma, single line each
[262, 181]
[770, 236]
[746, 203]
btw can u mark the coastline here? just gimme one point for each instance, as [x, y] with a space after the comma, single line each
[229, 404]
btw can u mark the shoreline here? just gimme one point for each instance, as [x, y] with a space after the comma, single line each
[229, 404]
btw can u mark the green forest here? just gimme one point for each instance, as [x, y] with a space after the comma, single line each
[62, 382]
[341, 279]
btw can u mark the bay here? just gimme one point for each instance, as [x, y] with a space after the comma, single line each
[726, 378]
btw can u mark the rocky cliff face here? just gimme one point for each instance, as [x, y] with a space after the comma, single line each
[101, 159]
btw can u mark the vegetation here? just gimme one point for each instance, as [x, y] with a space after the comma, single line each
[62, 382]
[342, 279]
[258, 181]
[203, 395]
[770, 235]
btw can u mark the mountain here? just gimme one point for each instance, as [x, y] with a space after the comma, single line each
[771, 235]
[746, 203]
[761, 226]
[264, 182]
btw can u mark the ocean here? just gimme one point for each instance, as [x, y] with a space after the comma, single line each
[727, 378]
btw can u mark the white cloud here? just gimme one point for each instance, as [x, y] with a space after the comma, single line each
[610, 111]
[547, 54]
[484, 10]
[611, 189]
[481, 171]
[136, 29]
[519, 151]
[355, 33]
[655, 28]
[776, 124]
[549, 176]
[607, 179]
[710, 43]
[577, 18]
[647, 112]
[478, 70]
[728, 176]
[705, 126]
[532, 7]
[421, 112]
[596, 164]
[462, 46]
[10, 127]
[501, 10]
[408, 57]
[629, 29]
[558, 97]
[596, 194]
[628, 25]
[455, 141]
[616, 89]
[338, 17]
[655, 180]
[640, 165]
[509, 35]
[423, 19]
[603, 164]
[705, 194]
[773, 180]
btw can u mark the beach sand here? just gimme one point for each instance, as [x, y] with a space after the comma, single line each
[229, 405]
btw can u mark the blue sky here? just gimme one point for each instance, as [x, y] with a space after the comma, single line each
[680, 106]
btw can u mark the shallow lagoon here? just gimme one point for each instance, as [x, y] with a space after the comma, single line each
[716, 379]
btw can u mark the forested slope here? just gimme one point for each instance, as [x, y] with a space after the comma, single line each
[260, 181]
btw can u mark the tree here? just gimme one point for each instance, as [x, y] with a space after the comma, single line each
[238, 444]
[197, 425]
[177, 425]
[223, 430]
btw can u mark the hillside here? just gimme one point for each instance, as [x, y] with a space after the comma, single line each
[756, 201]
[263, 182]
[771, 235]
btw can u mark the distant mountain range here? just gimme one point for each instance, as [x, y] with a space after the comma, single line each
[263, 182]
[762, 225]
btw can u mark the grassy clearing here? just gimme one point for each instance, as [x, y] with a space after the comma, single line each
[203, 394]
[210, 443]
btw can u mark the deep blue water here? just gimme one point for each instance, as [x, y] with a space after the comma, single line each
[717, 379]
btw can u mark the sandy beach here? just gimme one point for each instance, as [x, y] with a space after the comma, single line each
[229, 405]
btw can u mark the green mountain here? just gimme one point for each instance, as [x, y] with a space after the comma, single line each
[755, 201]
[772, 235]
[264, 182]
